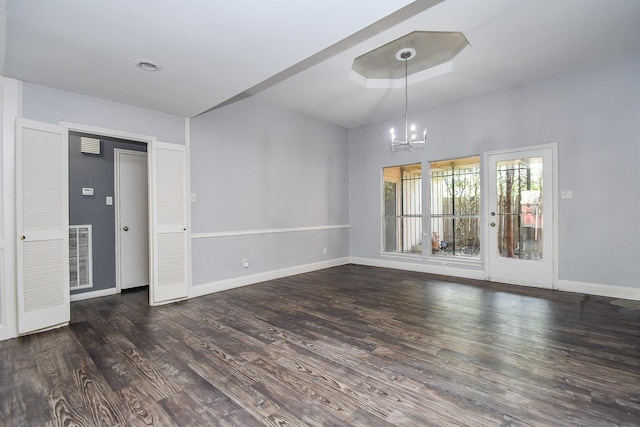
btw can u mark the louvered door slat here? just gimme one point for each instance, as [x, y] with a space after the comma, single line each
[42, 225]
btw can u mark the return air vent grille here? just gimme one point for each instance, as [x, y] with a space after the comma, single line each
[80, 257]
[89, 145]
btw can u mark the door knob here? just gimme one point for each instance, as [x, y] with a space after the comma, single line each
[23, 237]
[493, 224]
[125, 228]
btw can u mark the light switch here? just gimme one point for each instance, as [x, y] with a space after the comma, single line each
[87, 191]
[109, 200]
[193, 197]
[566, 194]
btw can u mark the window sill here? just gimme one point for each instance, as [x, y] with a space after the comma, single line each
[400, 255]
[451, 261]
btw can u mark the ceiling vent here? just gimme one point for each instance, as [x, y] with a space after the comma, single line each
[89, 145]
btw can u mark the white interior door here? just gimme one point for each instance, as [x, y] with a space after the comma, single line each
[520, 216]
[169, 276]
[132, 218]
[42, 214]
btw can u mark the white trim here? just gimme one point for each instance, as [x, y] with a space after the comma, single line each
[600, 289]
[402, 255]
[11, 100]
[223, 285]
[94, 294]
[187, 144]
[265, 231]
[443, 270]
[113, 133]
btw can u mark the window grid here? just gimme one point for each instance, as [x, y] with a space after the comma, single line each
[455, 208]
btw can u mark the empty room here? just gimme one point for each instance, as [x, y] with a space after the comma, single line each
[322, 213]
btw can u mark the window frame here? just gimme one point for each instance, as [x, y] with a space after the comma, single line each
[399, 206]
[429, 217]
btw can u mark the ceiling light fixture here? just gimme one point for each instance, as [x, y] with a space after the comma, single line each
[410, 142]
[147, 65]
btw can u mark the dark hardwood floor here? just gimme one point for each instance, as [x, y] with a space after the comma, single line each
[351, 345]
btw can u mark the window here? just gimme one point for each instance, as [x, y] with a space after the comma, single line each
[455, 208]
[402, 216]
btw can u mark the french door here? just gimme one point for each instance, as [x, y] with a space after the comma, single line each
[520, 216]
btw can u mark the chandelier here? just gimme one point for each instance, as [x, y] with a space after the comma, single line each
[410, 142]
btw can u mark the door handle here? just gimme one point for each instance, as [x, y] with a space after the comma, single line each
[23, 237]
[125, 228]
[493, 224]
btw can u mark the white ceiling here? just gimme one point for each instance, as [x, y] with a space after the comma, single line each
[298, 54]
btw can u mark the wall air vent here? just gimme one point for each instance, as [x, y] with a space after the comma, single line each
[89, 145]
[80, 257]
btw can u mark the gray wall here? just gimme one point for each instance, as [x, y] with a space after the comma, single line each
[255, 166]
[96, 171]
[52, 106]
[593, 115]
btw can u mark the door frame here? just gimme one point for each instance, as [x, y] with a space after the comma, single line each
[152, 143]
[553, 147]
[117, 205]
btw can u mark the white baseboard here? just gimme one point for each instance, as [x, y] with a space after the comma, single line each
[94, 294]
[236, 282]
[6, 333]
[599, 289]
[422, 268]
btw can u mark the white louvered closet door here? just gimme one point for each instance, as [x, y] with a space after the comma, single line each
[42, 205]
[169, 276]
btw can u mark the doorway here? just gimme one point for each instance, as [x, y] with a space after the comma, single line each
[43, 200]
[521, 216]
[93, 203]
[131, 216]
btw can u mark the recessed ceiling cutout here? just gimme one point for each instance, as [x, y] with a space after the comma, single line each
[432, 49]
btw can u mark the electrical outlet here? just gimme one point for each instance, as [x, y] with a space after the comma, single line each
[324, 251]
[566, 194]
[245, 263]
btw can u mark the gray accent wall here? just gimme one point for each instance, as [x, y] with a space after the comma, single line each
[593, 116]
[256, 166]
[97, 172]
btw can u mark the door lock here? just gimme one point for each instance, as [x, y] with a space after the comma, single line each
[493, 214]
[125, 228]
[493, 224]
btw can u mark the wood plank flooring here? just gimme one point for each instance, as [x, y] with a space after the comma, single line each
[345, 346]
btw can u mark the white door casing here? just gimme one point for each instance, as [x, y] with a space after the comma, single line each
[168, 238]
[132, 218]
[42, 224]
[539, 270]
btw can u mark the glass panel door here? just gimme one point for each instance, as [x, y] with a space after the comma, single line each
[519, 210]
[520, 227]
